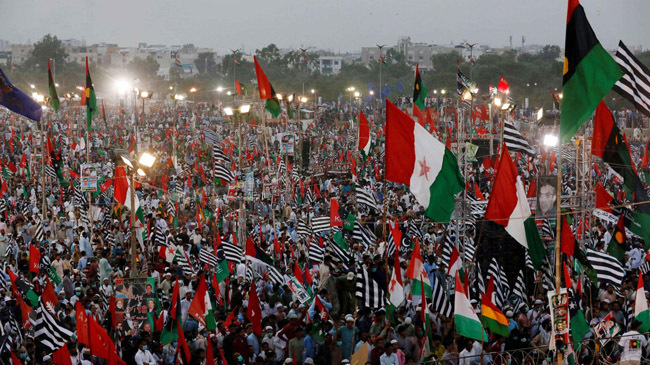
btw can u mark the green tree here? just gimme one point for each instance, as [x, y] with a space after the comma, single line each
[50, 47]
[145, 69]
[206, 59]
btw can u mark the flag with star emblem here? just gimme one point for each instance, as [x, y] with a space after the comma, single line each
[417, 159]
[641, 306]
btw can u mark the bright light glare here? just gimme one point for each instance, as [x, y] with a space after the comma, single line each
[147, 159]
[290, 98]
[279, 96]
[32, 86]
[561, 95]
[372, 92]
[467, 95]
[228, 111]
[228, 93]
[141, 172]
[144, 94]
[356, 94]
[313, 91]
[550, 140]
[193, 90]
[127, 161]
[121, 85]
[219, 89]
[540, 113]
[303, 99]
[443, 91]
[505, 106]
[244, 108]
[497, 102]
[179, 97]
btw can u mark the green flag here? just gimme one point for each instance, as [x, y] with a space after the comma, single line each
[589, 72]
[89, 99]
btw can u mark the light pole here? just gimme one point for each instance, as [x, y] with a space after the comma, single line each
[234, 67]
[471, 56]
[381, 60]
[143, 94]
[237, 113]
[145, 161]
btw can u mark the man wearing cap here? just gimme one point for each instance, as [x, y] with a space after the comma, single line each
[389, 357]
[348, 335]
[346, 287]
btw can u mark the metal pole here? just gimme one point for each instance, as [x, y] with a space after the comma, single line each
[134, 242]
[558, 234]
[43, 151]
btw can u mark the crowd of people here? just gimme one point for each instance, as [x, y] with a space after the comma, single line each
[255, 241]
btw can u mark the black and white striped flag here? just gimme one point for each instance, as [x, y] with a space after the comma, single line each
[233, 253]
[501, 286]
[38, 234]
[514, 140]
[316, 252]
[367, 197]
[635, 83]
[222, 172]
[368, 291]
[519, 289]
[320, 224]
[608, 269]
[302, 229]
[49, 334]
[184, 263]
[208, 257]
[440, 298]
[363, 235]
[170, 207]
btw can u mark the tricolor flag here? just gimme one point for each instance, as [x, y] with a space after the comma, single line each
[491, 317]
[641, 306]
[395, 286]
[465, 318]
[267, 92]
[508, 206]
[415, 158]
[365, 144]
[455, 263]
[589, 72]
[122, 192]
[89, 99]
[416, 270]
[201, 308]
[419, 91]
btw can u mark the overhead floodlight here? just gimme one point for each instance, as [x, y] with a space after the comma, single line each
[127, 161]
[244, 108]
[219, 89]
[279, 96]
[551, 140]
[228, 111]
[303, 99]
[141, 172]
[497, 102]
[540, 114]
[290, 98]
[147, 159]
[506, 106]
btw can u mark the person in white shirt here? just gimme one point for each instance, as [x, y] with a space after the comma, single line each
[632, 344]
[389, 357]
[143, 356]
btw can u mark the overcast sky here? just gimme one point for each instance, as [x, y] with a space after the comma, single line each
[344, 25]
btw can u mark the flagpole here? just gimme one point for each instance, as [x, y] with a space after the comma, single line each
[43, 150]
[558, 229]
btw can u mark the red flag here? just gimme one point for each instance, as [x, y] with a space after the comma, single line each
[105, 185]
[25, 310]
[568, 240]
[567, 277]
[230, 318]
[321, 308]
[477, 192]
[83, 333]
[603, 199]
[16, 361]
[254, 312]
[209, 357]
[111, 311]
[503, 86]
[297, 272]
[34, 259]
[335, 219]
[182, 347]
[646, 157]
[49, 296]
[62, 356]
[417, 113]
[23, 161]
[73, 174]
[532, 190]
[4, 188]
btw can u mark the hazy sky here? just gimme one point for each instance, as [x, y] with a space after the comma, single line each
[344, 25]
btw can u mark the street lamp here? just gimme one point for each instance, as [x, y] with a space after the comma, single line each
[551, 140]
[237, 113]
[145, 162]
